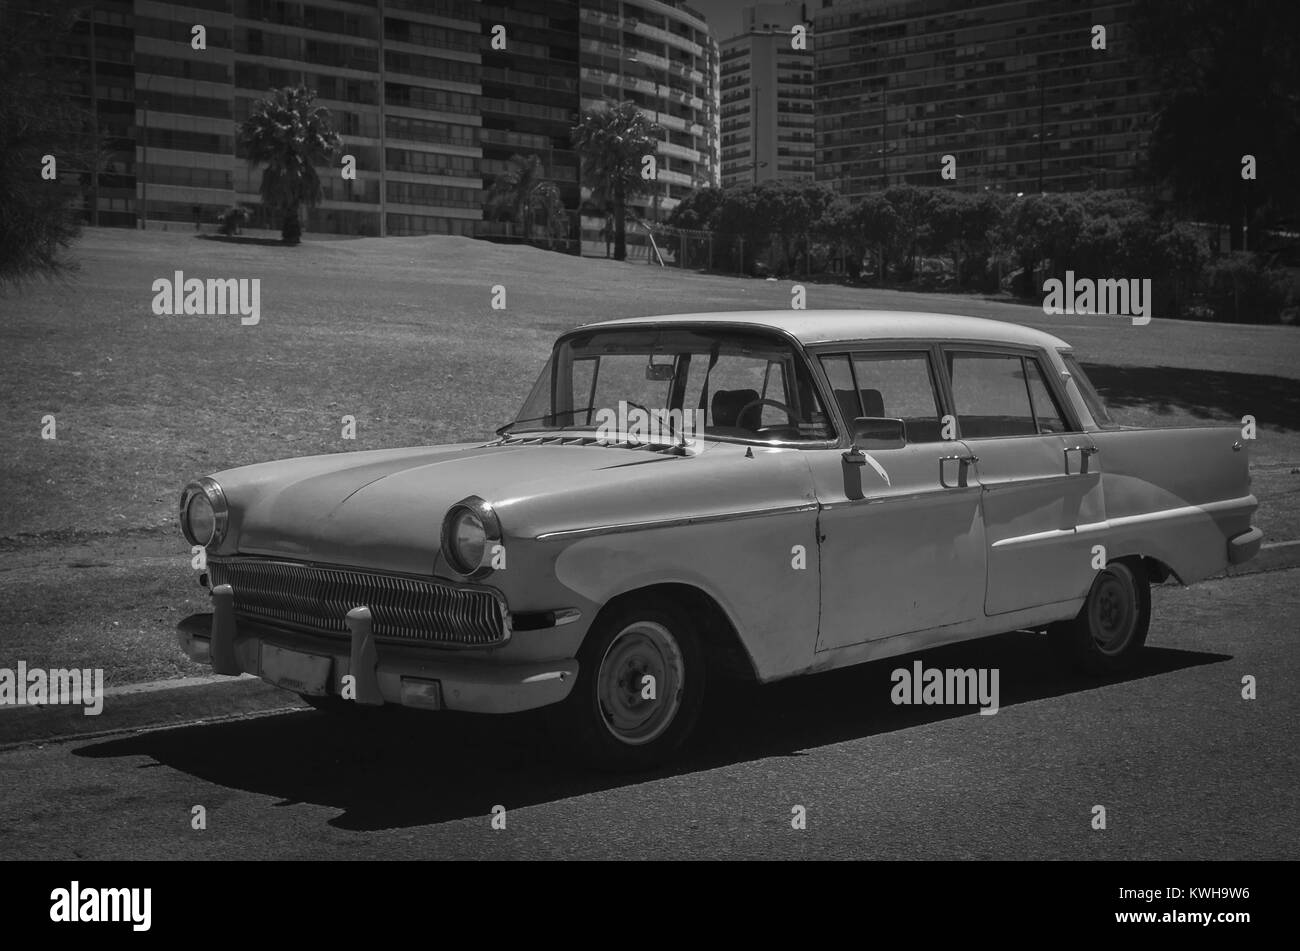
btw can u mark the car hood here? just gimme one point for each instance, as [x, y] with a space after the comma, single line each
[384, 509]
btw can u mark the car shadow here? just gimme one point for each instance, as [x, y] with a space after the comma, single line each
[400, 768]
[1213, 395]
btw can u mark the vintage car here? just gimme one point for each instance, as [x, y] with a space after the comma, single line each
[687, 497]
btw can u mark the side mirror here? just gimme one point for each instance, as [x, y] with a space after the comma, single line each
[874, 432]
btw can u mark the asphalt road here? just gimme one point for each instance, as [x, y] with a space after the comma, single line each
[1184, 766]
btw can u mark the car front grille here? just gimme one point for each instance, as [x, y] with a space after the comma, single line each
[318, 598]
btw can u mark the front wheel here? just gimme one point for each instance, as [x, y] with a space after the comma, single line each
[641, 677]
[1111, 628]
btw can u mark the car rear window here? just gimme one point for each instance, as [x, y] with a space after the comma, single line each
[989, 393]
[1091, 398]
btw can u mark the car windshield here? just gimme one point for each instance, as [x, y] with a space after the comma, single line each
[675, 384]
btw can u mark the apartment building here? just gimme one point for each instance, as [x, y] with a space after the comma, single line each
[1017, 92]
[424, 101]
[660, 55]
[767, 97]
[529, 101]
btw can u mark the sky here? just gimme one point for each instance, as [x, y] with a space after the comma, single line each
[724, 15]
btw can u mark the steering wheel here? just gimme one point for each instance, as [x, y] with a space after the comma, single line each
[752, 403]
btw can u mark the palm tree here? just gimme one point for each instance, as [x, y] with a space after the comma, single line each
[291, 135]
[520, 192]
[612, 139]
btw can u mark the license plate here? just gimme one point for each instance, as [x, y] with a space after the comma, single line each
[301, 673]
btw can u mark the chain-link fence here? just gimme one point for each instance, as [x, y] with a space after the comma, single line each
[756, 254]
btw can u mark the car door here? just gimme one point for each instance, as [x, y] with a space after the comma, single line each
[903, 551]
[1040, 477]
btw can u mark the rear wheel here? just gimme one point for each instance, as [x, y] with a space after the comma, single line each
[641, 677]
[1111, 628]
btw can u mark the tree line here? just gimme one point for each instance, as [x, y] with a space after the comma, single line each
[943, 239]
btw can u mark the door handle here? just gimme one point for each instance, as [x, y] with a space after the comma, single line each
[1085, 453]
[965, 461]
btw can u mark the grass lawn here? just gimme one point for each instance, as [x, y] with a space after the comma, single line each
[400, 333]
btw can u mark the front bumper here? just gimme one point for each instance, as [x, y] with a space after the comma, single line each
[413, 676]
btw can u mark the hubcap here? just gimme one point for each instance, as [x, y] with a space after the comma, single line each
[1113, 613]
[643, 649]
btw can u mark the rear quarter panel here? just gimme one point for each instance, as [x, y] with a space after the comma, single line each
[1177, 495]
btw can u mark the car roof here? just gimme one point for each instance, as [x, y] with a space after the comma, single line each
[828, 326]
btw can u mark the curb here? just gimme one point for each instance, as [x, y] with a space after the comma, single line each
[146, 706]
[1272, 557]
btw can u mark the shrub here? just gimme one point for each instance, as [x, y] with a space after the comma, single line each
[1240, 289]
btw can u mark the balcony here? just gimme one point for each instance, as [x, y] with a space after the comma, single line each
[642, 85]
[674, 178]
[670, 121]
[509, 107]
[521, 140]
[535, 80]
[679, 151]
[663, 36]
[603, 76]
[648, 59]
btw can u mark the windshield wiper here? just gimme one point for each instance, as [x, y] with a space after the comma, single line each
[505, 430]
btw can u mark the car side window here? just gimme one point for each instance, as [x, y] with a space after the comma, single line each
[890, 384]
[840, 375]
[990, 395]
[1047, 411]
[1091, 398]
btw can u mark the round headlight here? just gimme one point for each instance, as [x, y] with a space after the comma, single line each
[200, 519]
[468, 540]
[204, 513]
[469, 532]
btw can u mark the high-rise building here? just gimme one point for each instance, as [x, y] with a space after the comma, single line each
[767, 98]
[530, 89]
[660, 55]
[99, 58]
[401, 81]
[429, 85]
[429, 107]
[1016, 92]
[184, 111]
